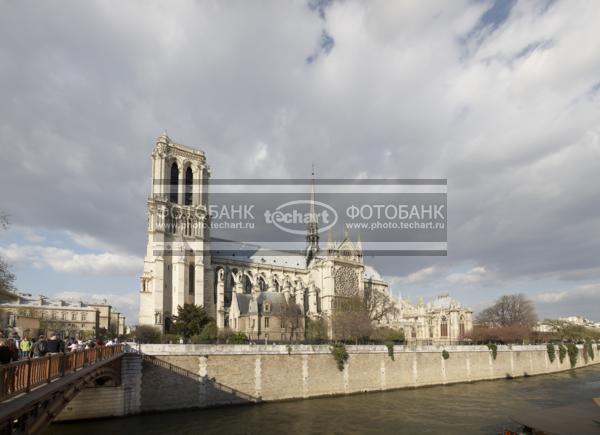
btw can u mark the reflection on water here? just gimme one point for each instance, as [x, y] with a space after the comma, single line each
[481, 407]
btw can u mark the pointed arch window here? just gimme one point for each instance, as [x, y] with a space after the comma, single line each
[247, 284]
[174, 183]
[192, 279]
[444, 327]
[262, 285]
[189, 182]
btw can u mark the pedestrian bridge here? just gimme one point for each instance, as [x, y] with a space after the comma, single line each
[34, 391]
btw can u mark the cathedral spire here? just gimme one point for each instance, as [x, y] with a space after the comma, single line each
[312, 236]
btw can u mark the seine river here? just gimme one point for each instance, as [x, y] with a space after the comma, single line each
[481, 407]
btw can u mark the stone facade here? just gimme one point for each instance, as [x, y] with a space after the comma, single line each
[179, 268]
[28, 316]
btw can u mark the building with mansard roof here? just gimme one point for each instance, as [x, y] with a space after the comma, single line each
[263, 293]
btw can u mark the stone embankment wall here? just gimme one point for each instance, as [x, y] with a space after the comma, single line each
[189, 376]
[107, 401]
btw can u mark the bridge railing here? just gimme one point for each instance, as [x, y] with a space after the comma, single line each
[22, 376]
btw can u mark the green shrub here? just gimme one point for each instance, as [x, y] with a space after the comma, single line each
[572, 351]
[590, 350]
[390, 348]
[190, 320]
[147, 334]
[385, 334]
[494, 350]
[562, 352]
[340, 355]
[209, 332]
[551, 352]
[170, 339]
[445, 354]
[238, 338]
[316, 331]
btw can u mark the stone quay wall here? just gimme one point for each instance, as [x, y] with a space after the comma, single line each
[177, 376]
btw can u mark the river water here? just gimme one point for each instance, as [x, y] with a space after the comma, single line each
[480, 407]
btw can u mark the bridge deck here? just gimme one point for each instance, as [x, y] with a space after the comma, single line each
[50, 383]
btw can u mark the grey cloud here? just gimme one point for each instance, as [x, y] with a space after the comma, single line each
[87, 88]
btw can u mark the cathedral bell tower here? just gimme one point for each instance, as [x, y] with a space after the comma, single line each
[177, 262]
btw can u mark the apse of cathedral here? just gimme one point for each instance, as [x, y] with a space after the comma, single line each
[265, 294]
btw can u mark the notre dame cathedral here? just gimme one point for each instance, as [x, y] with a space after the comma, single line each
[259, 292]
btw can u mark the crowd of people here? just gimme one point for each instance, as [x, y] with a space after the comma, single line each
[15, 348]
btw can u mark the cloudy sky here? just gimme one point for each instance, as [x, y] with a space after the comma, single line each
[501, 98]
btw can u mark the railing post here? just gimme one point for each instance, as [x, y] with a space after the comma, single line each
[48, 366]
[28, 385]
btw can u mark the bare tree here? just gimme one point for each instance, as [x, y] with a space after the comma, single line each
[378, 304]
[290, 318]
[509, 310]
[350, 320]
[6, 277]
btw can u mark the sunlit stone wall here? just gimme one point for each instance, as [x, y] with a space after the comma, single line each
[190, 376]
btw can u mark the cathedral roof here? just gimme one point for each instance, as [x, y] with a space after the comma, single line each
[237, 251]
[445, 302]
[250, 304]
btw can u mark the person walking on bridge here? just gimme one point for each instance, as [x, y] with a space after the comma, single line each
[25, 347]
[40, 348]
[6, 356]
[55, 345]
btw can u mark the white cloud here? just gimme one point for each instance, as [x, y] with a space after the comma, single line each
[472, 276]
[416, 277]
[68, 261]
[88, 241]
[572, 294]
[508, 114]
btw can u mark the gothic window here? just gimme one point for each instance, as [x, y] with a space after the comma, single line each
[174, 183]
[444, 327]
[261, 284]
[461, 326]
[73, 316]
[247, 284]
[267, 307]
[83, 317]
[191, 279]
[266, 322]
[189, 181]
